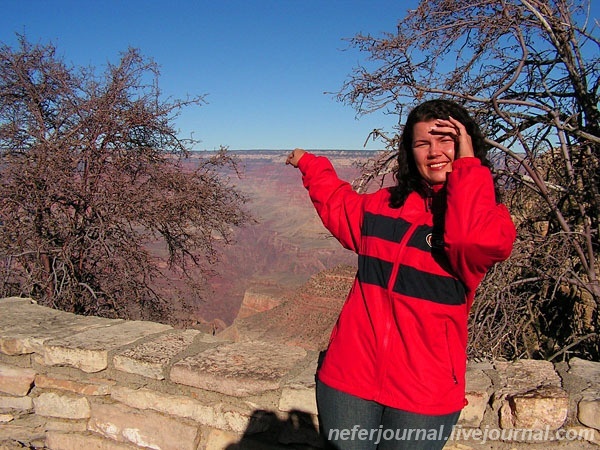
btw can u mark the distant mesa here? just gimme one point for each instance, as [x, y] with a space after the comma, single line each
[259, 298]
[282, 249]
[302, 317]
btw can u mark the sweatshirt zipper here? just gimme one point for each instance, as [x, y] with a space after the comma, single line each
[386, 337]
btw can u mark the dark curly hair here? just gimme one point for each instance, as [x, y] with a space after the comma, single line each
[407, 176]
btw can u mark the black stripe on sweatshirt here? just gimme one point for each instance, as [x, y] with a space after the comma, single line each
[427, 286]
[420, 239]
[383, 227]
[374, 271]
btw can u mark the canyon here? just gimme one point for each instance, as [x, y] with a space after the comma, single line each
[242, 377]
[283, 247]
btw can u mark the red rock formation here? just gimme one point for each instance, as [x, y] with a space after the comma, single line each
[305, 316]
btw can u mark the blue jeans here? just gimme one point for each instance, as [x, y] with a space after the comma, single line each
[352, 423]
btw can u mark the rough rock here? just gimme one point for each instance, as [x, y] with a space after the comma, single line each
[16, 403]
[299, 393]
[150, 359]
[542, 408]
[89, 387]
[304, 318]
[19, 335]
[219, 440]
[238, 369]
[589, 408]
[16, 380]
[88, 350]
[174, 405]
[477, 395]
[64, 406]
[588, 370]
[530, 395]
[258, 299]
[73, 441]
[145, 429]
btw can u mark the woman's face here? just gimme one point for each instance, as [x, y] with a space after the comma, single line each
[433, 151]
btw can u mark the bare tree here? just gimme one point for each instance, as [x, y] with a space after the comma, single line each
[101, 210]
[529, 70]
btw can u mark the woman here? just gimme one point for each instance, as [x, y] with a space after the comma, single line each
[393, 376]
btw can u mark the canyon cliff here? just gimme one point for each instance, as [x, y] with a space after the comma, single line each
[283, 249]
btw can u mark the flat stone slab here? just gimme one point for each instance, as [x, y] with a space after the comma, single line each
[18, 403]
[88, 350]
[63, 406]
[8, 300]
[16, 380]
[213, 414]
[588, 408]
[238, 369]
[25, 325]
[145, 429]
[22, 430]
[524, 375]
[58, 439]
[477, 395]
[90, 387]
[542, 408]
[530, 395]
[588, 370]
[150, 359]
[299, 393]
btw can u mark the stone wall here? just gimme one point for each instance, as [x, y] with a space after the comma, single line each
[71, 382]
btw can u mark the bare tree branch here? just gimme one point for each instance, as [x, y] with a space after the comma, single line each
[103, 209]
[530, 71]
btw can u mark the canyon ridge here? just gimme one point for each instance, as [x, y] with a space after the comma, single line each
[278, 253]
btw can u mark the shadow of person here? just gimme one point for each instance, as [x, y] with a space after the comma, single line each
[266, 431]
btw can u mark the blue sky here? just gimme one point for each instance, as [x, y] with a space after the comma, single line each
[264, 65]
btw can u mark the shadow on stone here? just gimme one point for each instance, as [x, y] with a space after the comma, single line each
[266, 431]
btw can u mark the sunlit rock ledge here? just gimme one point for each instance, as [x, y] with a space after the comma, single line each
[73, 382]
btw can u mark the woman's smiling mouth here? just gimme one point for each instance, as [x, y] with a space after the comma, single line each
[438, 166]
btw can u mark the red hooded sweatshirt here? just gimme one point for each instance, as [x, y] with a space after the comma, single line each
[401, 336]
